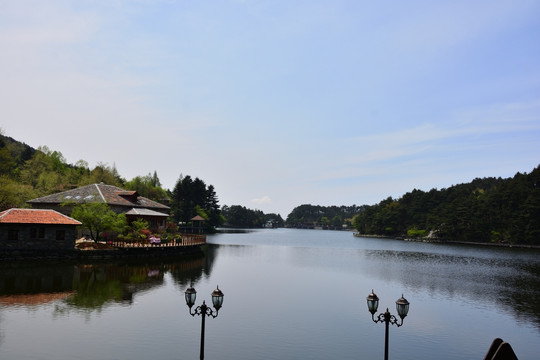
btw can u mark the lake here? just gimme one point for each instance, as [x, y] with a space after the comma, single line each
[289, 294]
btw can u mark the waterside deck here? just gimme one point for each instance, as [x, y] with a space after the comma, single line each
[185, 240]
[188, 244]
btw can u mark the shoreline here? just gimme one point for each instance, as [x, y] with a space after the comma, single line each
[103, 254]
[440, 241]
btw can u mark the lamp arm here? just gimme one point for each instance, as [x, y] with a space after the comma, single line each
[386, 317]
[204, 310]
[380, 318]
[395, 321]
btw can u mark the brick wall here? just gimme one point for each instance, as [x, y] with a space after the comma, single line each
[38, 236]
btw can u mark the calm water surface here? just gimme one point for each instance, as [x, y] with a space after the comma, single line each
[289, 294]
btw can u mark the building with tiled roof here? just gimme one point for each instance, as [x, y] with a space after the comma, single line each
[35, 216]
[37, 229]
[113, 196]
[119, 200]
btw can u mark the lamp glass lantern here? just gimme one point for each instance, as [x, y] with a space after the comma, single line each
[191, 295]
[402, 307]
[217, 298]
[372, 302]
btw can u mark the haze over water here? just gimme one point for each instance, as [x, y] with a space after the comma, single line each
[289, 294]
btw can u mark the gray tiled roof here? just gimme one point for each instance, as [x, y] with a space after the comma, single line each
[108, 194]
[145, 212]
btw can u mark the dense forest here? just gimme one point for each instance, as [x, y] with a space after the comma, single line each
[485, 210]
[326, 217]
[241, 217]
[27, 173]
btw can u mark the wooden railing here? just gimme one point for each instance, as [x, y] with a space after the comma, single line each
[184, 240]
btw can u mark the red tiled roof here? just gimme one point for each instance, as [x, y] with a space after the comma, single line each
[35, 216]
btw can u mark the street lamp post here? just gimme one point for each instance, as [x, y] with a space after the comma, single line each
[402, 307]
[204, 310]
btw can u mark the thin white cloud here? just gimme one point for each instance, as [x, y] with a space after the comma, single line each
[262, 201]
[483, 129]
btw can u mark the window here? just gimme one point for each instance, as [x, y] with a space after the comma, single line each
[37, 233]
[13, 234]
[60, 234]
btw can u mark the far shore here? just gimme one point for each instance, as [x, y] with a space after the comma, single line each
[436, 240]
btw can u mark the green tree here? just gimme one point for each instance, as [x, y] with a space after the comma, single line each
[212, 208]
[41, 164]
[191, 196]
[276, 219]
[337, 222]
[324, 221]
[98, 218]
[312, 214]
[155, 180]
[148, 186]
[137, 230]
[7, 163]
[14, 194]
[240, 216]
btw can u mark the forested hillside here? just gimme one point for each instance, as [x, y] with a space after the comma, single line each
[27, 173]
[484, 210]
[241, 217]
[309, 216]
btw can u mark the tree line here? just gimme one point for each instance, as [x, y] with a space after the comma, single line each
[27, 173]
[485, 210]
[334, 217]
[241, 217]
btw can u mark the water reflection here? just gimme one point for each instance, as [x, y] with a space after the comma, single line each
[478, 279]
[93, 286]
[290, 295]
[31, 284]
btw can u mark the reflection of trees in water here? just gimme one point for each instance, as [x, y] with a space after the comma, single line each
[192, 271]
[93, 286]
[509, 282]
[27, 278]
[524, 301]
[99, 284]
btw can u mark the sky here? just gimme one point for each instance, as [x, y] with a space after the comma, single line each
[278, 103]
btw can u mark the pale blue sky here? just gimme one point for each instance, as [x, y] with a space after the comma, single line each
[279, 103]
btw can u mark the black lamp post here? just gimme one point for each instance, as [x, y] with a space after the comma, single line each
[402, 307]
[204, 310]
